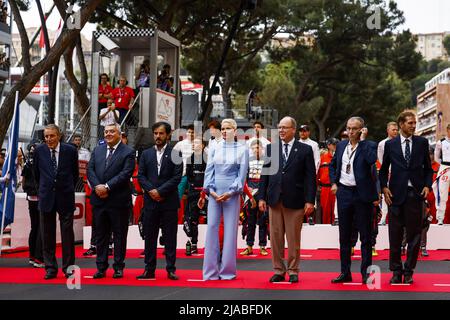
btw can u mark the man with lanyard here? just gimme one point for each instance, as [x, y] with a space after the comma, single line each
[123, 97]
[441, 184]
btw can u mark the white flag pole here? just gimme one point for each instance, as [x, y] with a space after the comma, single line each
[7, 172]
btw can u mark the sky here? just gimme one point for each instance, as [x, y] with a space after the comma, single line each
[425, 16]
[422, 16]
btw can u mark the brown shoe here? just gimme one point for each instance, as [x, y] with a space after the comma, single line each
[263, 251]
[247, 251]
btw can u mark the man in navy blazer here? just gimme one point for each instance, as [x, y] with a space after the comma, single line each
[353, 182]
[160, 170]
[109, 172]
[290, 193]
[405, 190]
[56, 173]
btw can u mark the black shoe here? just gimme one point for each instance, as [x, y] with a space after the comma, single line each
[403, 251]
[118, 274]
[194, 249]
[98, 275]
[396, 278]
[172, 276]
[424, 252]
[293, 278]
[336, 222]
[110, 251]
[310, 221]
[146, 275]
[50, 275]
[91, 251]
[408, 279]
[343, 277]
[277, 278]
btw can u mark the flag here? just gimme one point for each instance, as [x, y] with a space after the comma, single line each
[8, 198]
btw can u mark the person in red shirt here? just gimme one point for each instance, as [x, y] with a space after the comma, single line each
[104, 91]
[327, 198]
[123, 97]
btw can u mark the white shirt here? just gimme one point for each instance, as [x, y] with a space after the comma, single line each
[316, 151]
[159, 154]
[263, 140]
[109, 118]
[84, 154]
[380, 149]
[115, 148]
[212, 143]
[348, 179]
[186, 148]
[56, 153]
[442, 150]
[403, 144]
[290, 144]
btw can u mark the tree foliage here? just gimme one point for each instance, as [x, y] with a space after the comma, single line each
[349, 69]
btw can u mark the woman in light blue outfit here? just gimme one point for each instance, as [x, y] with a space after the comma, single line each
[224, 181]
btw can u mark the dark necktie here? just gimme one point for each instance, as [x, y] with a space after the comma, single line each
[108, 158]
[407, 152]
[54, 163]
[285, 155]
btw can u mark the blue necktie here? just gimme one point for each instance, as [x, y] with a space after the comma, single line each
[285, 155]
[54, 163]
[407, 152]
[108, 159]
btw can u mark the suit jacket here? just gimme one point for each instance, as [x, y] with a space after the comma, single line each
[56, 191]
[117, 175]
[419, 171]
[294, 184]
[363, 168]
[166, 182]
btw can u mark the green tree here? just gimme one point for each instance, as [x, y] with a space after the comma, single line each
[350, 69]
[31, 73]
[446, 43]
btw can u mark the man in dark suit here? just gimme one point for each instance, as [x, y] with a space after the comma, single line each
[353, 181]
[109, 172]
[405, 191]
[160, 170]
[56, 173]
[290, 192]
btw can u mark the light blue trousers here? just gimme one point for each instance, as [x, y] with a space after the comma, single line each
[216, 265]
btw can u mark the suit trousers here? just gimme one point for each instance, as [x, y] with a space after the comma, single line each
[35, 239]
[409, 216]
[284, 221]
[48, 233]
[109, 220]
[152, 220]
[221, 265]
[354, 213]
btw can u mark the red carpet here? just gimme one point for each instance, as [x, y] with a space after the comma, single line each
[323, 254]
[245, 279]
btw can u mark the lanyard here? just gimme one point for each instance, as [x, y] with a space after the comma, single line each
[351, 154]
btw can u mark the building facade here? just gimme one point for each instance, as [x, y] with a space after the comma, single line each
[433, 108]
[431, 46]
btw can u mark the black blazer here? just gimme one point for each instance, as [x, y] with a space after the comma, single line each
[56, 191]
[363, 168]
[294, 184]
[117, 175]
[419, 172]
[166, 182]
